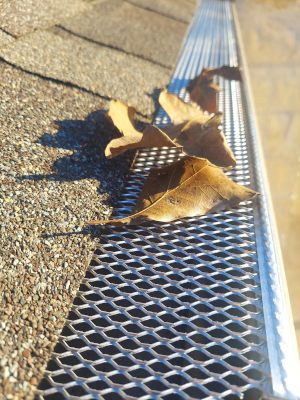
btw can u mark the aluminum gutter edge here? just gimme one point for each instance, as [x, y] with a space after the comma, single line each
[281, 338]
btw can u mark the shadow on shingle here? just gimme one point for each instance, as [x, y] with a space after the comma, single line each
[87, 141]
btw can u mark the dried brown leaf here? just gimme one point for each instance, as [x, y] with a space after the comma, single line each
[198, 137]
[122, 117]
[152, 137]
[178, 110]
[206, 96]
[204, 92]
[206, 141]
[190, 187]
[231, 73]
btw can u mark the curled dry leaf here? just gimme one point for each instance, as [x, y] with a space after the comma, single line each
[152, 137]
[227, 72]
[206, 141]
[190, 187]
[204, 92]
[178, 110]
[122, 117]
[198, 137]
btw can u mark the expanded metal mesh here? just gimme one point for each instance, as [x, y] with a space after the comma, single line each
[172, 310]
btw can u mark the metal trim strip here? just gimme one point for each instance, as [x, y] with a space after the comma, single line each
[281, 339]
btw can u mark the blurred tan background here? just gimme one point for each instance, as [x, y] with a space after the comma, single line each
[271, 34]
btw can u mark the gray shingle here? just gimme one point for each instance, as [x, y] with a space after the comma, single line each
[53, 178]
[20, 17]
[133, 29]
[181, 10]
[107, 72]
[5, 38]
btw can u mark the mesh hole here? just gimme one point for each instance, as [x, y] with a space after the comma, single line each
[132, 328]
[118, 318]
[98, 385]
[143, 356]
[119, 379]
[100, 322]
[218, 333]
[236, 362]
[89, 355]
[76, 343]
[96, 338]
[76, 391]
[109, 350]
[156, 386]
[147, 339]
[253, 355]
[54, 396]
[195, 392]
[218, 317]
[88, 312]
[253, 374]
[162, 350]
[114, 334]
[166, 334]
[159, 367]
[66, 332]
[82, 327]
[201, 323]
[183, 328]
[59, 349]
[72, 316]
[172, 396]
[217, 350]
[83, 373]
[236, 344]
[136, 313]
[139, 373]
[52, 366]
[123, 304]
[177, 380]
[215, 387]
[44, 385]
[235, 380]
[197, 355]
[196, 373]
[112, 396]
[216, 368]
[124, 361]
[179, 362]
[104, 367]
[136, 392]
[129, 344]
[70, 361]
[181, 344]
[151, 323]
[253, 394]
[168, 318]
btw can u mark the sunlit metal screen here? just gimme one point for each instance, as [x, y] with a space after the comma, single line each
[174, 310]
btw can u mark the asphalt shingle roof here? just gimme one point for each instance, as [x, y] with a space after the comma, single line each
[135, 30]
[56, 54]
[20, 17]
[5, 38]
[55, 87]
[180, 10]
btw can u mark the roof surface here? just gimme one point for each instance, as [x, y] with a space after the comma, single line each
[60, 63]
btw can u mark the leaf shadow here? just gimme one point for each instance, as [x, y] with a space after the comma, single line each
[86, 141]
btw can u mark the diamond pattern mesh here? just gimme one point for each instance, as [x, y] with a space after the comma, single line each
[172, 310]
